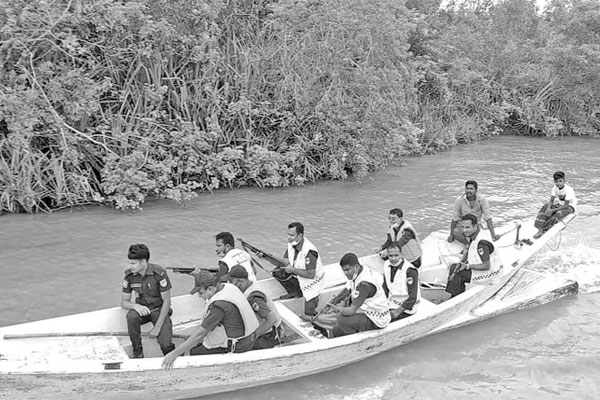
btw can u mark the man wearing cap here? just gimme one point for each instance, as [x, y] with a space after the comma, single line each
[229, 322]
[268, 332]
[152, 303]
[368, 308]
[304, 262]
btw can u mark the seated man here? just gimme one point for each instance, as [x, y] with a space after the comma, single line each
[401, 284]
[228, 325]
[268, 332]
[230, 256]
[152, 289]
[562, 203]
[481, 262]
[402, 232]
[368, 307]
[473, 203]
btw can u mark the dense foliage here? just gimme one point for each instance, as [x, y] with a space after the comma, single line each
[119, 101]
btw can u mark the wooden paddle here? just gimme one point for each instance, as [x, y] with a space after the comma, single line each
[76, 334]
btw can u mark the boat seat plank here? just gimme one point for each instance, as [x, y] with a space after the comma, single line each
[303, 328]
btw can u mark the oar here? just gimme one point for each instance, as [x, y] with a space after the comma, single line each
[76, 334]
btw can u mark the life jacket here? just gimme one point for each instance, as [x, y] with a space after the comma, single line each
[237, 256]
[218, 336]
[254, 288]
[399, 288]
[474, 258]
[412, 249]
[311, 288]
[376, 307]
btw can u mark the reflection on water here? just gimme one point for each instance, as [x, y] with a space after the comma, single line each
[72, 261]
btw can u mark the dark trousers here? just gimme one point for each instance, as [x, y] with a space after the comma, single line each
[135, 322]
[241, 346]
[349, 324]
[269, 339]
[545, 222]
[456, 285]
[310, 306]
[401, 316]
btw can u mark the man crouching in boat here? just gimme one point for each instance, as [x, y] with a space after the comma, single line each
[368, 308]
[401, 283]
[228, 325]
[268, 332]
[152, 288]
[480, 264]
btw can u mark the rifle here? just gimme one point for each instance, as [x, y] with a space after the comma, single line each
[189, 270]
[276, 261]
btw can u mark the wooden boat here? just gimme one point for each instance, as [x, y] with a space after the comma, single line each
[88, 354]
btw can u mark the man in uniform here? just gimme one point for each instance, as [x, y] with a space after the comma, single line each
[401, 283]
[230, 256]
[473, 203]
[268, 332]
[304, 262]
[151, 300]
[481, 262]
[368, 307]
[228, 325]
[404, 234]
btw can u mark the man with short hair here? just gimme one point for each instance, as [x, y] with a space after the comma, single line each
[401, 284]
[481, 262]
[562, 203]
[230, 256]
[152, 300]
[403, 233]
[473, 203]
[228, 325]
[304, 262]
[368, 305]
[268, 332]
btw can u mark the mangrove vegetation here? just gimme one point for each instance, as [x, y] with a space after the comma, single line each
[121, 101]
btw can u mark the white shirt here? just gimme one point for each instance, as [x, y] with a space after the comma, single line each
[566, 193]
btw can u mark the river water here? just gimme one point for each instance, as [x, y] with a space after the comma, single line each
[73, 261]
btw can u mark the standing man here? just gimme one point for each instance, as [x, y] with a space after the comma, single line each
[471, 203]
[228, 325]
[268, 332]
[230, 256]
[481, 263]
[368, 307]
[304, 262]
[401, 284]
[403, 233]
[152, 292]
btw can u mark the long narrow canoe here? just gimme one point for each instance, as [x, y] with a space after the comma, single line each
[88, 354]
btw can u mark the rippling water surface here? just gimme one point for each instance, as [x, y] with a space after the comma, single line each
[73, 261]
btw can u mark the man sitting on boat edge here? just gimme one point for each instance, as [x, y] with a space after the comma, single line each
[473, 203]
[152, 303]
[304, 262]
[401, 284]
[368, 308]
[481, 262]
[229, 322]
[268, 332]
[230, 256]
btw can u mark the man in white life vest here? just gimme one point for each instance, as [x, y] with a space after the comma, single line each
[228, 325]
[268, 332]
[401, 284]
[368, 305]
[304, 262]
[480, 264]
[402, 232]
[230, 256]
